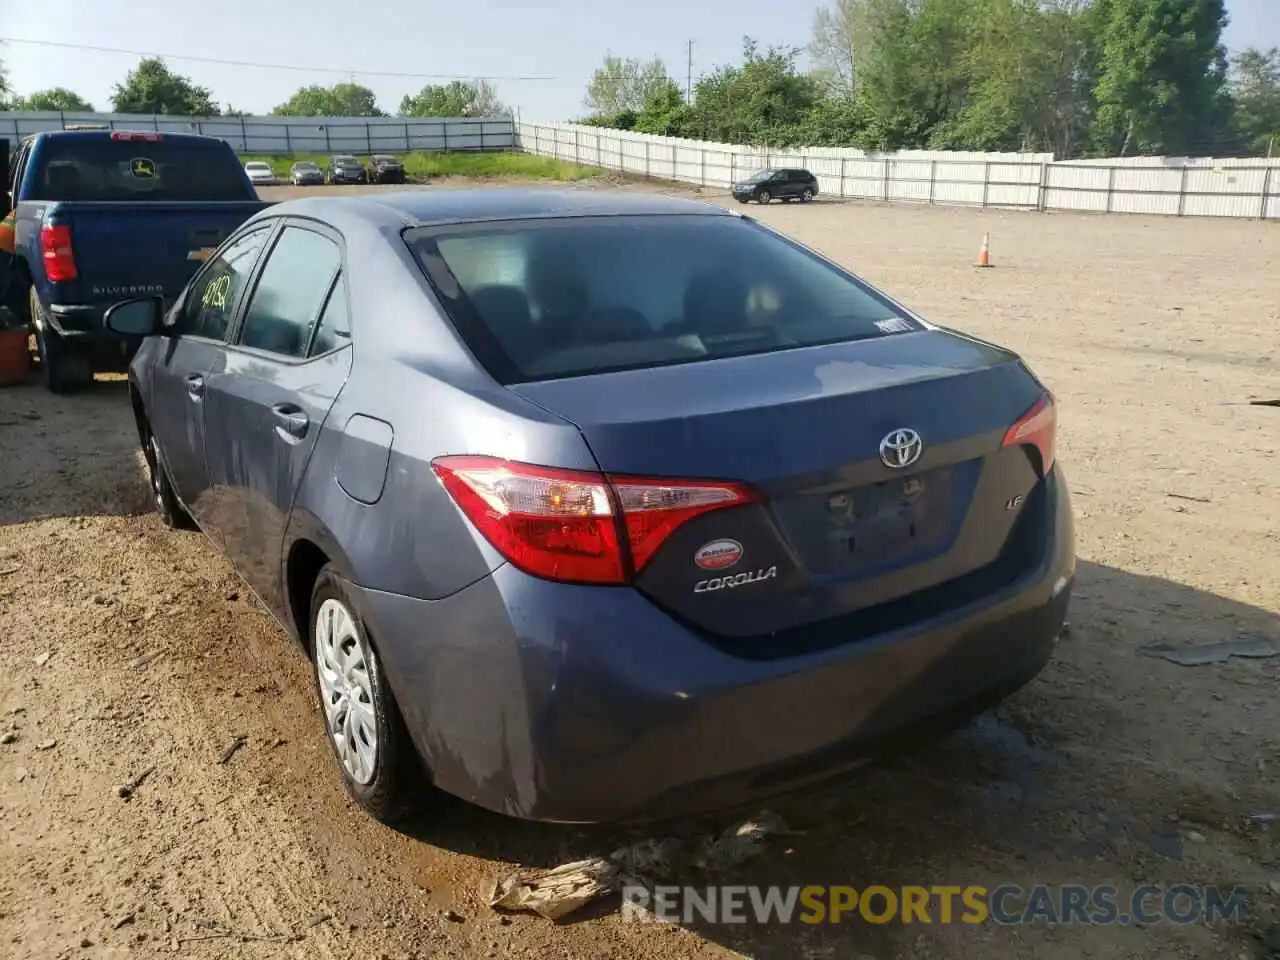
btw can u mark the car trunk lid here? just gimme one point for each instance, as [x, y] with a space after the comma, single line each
[838, 530]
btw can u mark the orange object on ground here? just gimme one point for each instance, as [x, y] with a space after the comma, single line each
[7, 234]
[984, 255]
[15, 360]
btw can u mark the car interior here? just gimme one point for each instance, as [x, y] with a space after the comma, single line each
[559, 303]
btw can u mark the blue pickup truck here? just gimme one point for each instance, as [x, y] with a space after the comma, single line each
[102, 216]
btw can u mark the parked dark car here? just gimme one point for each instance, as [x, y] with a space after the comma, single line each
[767, 185]
[346, 169]
[102, 215]
[305, 173]
[600, 506]
[385, 169]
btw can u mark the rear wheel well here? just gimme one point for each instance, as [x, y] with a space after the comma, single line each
[306, 560]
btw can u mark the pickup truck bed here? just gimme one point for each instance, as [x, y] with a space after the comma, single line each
[132, 249]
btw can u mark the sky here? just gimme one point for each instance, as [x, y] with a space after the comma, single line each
[560, 40]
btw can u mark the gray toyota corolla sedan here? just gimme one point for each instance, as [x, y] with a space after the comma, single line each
[597, 506]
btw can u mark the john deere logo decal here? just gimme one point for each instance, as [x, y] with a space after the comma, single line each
[142, 168]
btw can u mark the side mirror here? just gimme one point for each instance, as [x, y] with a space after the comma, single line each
[135, 318]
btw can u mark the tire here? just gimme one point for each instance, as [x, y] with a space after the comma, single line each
[63, 369]
[379, 778]
[763, 196]
[807, 195]
[171, 512]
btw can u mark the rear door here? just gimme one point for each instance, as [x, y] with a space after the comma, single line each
[288, 360]
[192, 351]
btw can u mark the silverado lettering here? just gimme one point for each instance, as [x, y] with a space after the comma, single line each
[135, 290]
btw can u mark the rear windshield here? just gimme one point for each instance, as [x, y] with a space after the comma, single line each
[98, 168]
[556, 298]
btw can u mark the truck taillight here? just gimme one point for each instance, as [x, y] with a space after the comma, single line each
[1037, 427]
[574, 525]
[55, 249]
[137, 136]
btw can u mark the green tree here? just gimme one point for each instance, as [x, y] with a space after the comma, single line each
[619, 85]
[230, 111]
[1027, 80]
[1255, 88]
[765, 100]
[339, 100]
[665, 112]
[841, 43]
[152, 87]
[1161, 76]
[56, 98]
[476, 98]
[913, 83]
[4, 87]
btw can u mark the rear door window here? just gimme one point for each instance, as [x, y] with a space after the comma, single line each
[96, 167]
[565, 297]
[290, 292]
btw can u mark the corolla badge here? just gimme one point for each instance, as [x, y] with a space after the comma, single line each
[734, 580]
[718, 554]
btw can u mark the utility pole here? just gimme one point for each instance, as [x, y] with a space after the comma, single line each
[688, 83]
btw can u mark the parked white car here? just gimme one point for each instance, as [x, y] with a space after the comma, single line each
[261, 174]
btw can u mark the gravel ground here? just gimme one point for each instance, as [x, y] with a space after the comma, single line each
[130, 649]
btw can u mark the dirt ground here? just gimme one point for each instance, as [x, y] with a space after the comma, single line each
[128, 648]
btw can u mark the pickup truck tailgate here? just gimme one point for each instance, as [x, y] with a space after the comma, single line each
[125, 249]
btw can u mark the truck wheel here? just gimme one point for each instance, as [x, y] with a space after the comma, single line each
[63, 369]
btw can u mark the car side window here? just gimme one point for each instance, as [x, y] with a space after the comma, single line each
[334, 330]
[290, 292]
[212, 299]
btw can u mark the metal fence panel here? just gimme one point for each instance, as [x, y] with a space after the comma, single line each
[286, 136]
[1174, 186]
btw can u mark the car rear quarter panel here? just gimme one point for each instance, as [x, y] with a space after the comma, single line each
[411, 372]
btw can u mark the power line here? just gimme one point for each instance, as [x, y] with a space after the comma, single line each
[274, 66]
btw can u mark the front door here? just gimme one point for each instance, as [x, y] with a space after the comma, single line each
[287, 362]
[191, 352]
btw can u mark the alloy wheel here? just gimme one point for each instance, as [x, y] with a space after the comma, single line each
[342, 665]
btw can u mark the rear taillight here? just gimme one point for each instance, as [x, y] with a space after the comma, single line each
[1037, 427]
[55, 250]
[574, 525]
[137, 136]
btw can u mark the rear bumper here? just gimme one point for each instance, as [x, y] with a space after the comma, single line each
[567, 703]
[72, 320]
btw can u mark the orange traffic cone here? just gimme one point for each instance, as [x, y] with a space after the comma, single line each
[984, 255]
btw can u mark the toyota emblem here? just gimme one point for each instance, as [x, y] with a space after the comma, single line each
[900, 448]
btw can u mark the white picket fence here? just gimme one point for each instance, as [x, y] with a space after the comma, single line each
[1030, 181]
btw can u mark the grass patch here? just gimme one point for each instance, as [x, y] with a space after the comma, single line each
[428, 164]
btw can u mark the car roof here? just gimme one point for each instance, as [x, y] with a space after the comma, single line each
[430, 207]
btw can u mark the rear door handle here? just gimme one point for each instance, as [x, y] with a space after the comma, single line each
[291, 422]
[195, 386]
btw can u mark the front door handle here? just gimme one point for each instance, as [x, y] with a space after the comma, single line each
[195, 386]
[292, 422]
